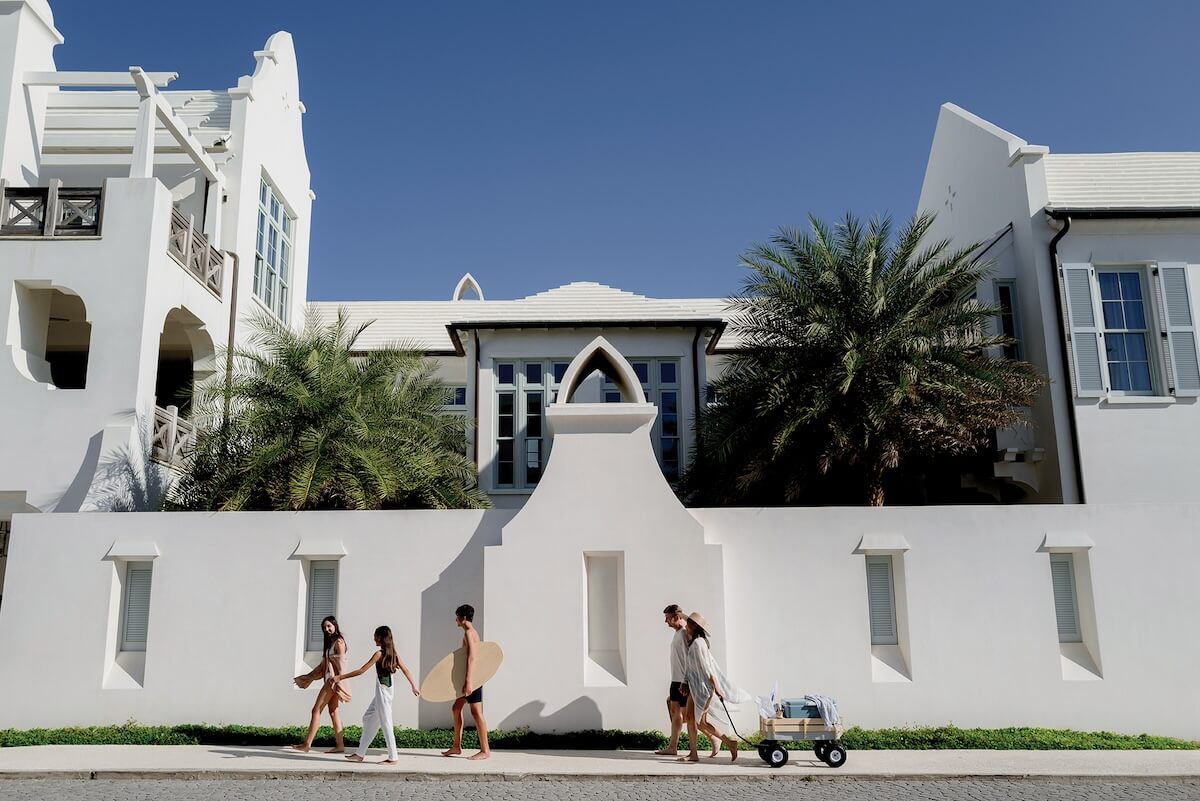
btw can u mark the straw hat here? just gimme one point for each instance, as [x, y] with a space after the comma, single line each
[699, 620]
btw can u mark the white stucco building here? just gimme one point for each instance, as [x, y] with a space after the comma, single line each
[1097, 260]
[138, 227]
[505, 361]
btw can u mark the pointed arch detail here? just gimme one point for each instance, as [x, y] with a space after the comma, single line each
[601, 355]
[466, 285]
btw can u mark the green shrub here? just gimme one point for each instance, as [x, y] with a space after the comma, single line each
[920, 739]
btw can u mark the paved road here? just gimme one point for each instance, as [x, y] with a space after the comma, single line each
[663, 790]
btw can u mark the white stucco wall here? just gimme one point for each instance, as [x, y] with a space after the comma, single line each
[1142, 452]
[53, 438]
[784, 591]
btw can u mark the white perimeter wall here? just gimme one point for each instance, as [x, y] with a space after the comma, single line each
[978, 623]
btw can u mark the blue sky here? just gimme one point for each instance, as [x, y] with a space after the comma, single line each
[646, 144]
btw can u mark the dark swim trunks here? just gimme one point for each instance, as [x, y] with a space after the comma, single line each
[476, 697]
[678, 693]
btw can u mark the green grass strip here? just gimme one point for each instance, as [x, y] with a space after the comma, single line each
[917, 738]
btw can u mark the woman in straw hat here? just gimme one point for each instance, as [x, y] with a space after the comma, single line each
[709, 690]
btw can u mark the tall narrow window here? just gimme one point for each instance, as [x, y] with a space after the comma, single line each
[1126, 331]
[1009, 325]
[881, 600]
[273, 251]
[534, 451]
[506, 425]
[660, 383]
[322, 600]
[135, 606]
[1066, 604]
[604, 576]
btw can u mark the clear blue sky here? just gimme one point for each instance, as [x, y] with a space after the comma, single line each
[646, 144]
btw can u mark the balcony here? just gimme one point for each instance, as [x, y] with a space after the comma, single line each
[51, 211]
[173, 439]
[191, 249]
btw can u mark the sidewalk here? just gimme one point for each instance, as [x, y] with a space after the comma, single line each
[193, 762]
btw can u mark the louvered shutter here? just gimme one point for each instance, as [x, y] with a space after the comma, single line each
[881, 600]
[1183, 366]
[1083, 331]
[1066, 610]
[322, 600]
[137, 606]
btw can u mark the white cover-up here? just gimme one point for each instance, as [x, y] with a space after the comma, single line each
[701, 666]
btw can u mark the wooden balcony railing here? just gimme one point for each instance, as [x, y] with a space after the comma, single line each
[191, 249]
[49, 211]
[173, 440]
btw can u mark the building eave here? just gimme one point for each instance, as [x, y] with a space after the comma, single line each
[453, 328]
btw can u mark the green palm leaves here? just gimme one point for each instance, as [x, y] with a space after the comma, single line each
[862, 349]
[314, 425]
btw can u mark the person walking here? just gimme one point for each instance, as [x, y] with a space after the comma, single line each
[677, 694]
[333, 662]
[709, 690]
[472, 696]
[379, 713]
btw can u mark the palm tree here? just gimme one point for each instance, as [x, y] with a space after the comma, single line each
[860, 352]
[311, 424]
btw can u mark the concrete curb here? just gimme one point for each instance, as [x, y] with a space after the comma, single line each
[396, 776]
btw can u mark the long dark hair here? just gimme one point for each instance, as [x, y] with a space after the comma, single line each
[330, 639]
[390, 659]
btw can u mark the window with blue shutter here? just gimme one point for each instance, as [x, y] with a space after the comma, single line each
[881, 600]
[1066, 607]
[322, 600]
[135, 612]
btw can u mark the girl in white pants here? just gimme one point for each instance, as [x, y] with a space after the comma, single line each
[379, 713]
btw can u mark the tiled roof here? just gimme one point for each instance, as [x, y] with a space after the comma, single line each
[1123, 180]
[423, 324]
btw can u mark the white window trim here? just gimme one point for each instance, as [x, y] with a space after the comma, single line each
[549, 387]
[1011, 285]
[653, 389]
[1150, 310]
[284, 274]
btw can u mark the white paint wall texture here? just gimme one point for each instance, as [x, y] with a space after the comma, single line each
[53, 439]
[784, 589]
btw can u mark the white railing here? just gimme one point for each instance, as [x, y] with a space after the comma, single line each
[191, 249]
[173, 440]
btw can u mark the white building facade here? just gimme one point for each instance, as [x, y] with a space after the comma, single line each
[504, 362]
[139, 228]
[1097, 259]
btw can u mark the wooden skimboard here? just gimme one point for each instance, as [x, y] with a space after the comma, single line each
[444, 683]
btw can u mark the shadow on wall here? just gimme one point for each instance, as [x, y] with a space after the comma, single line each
[73, 497]
[460, 583]
[581, 714]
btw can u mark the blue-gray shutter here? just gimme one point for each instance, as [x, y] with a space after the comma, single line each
[1183, 366]
[1083, 329]
[1066, 608]
[322, 600]
[136, 622]
[881, 600]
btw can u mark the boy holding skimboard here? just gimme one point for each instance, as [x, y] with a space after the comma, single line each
[472, 695]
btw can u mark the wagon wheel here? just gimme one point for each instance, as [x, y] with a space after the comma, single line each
[776, 756]
[835, 754]
[820, 748]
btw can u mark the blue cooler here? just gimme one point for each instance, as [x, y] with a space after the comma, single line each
[800, 708]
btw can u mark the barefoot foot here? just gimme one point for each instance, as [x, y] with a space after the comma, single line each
[452, 752]
[482, 755]
[301, 748]
[667, 752]
[690, 758]
[336, 751]
[354, 757]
